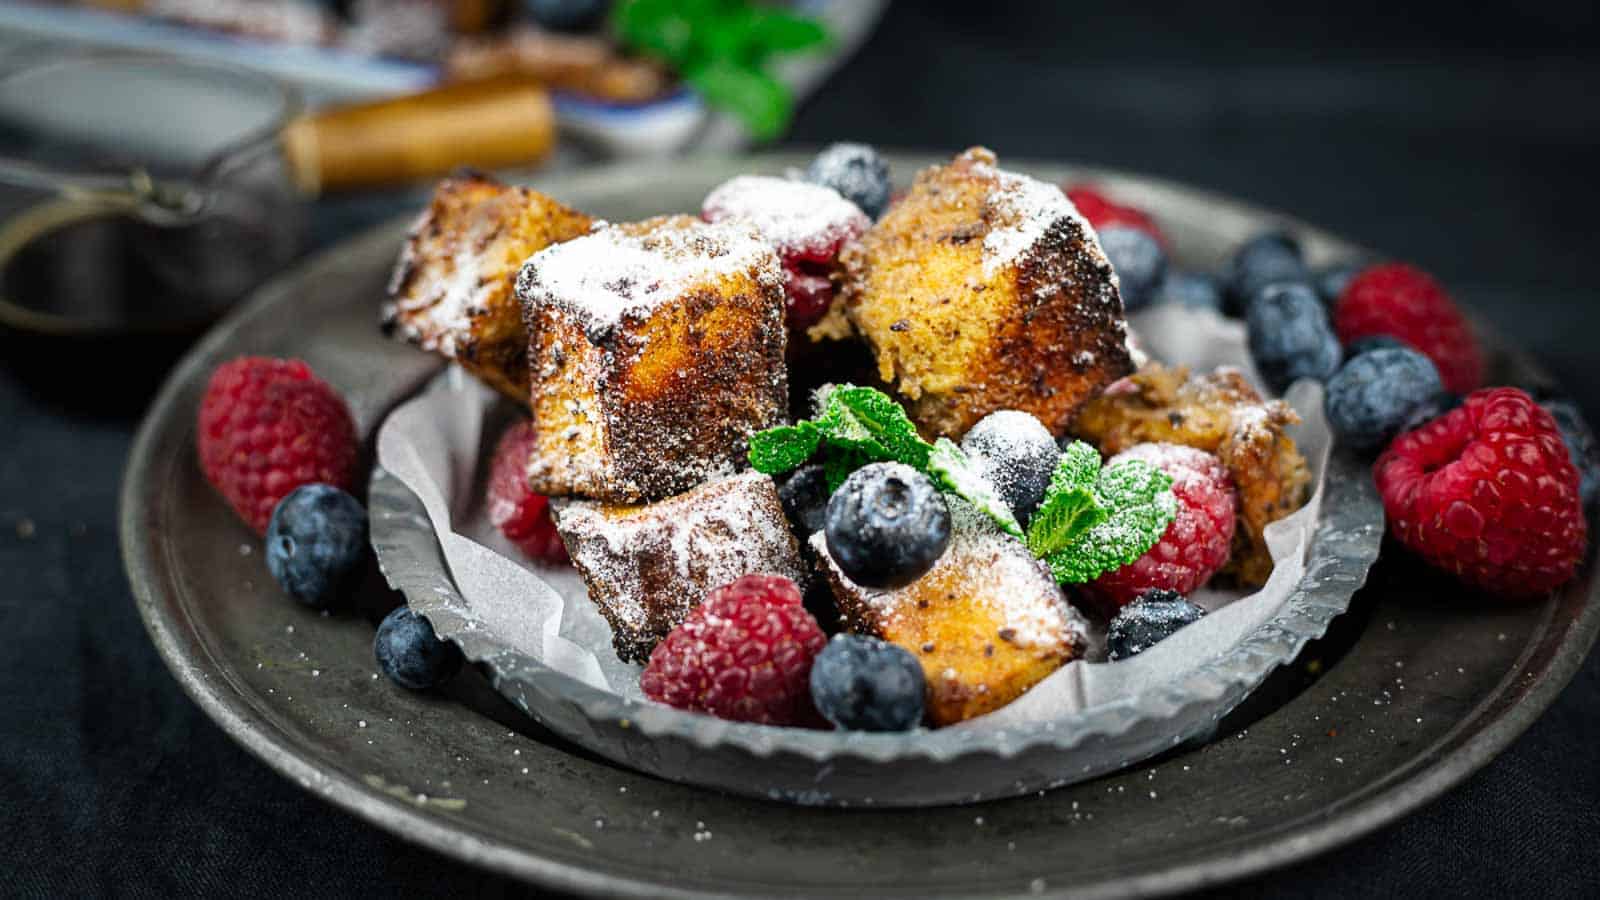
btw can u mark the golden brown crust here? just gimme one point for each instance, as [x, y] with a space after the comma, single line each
[658, 402]
[453, 289]
[1219, 413]
[987, 622]
[980, 291]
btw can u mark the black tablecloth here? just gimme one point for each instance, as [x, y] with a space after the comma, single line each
[1404, 130]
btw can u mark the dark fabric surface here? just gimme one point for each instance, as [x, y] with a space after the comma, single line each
[1464, 142]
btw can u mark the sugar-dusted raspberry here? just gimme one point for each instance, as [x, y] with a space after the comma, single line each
[1102, 211]
[1197, 542]
[1488, 493]
[807, 224]
[268, 426]
[520, 514]
[744, 654]
[1406, 303]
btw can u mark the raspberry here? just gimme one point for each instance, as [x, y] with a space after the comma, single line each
[268, 426]
[1488, 493]
[744, 654]
[1101, 211]
[520, 514]
[1195, 545]
[1408, 304]
[807, 224]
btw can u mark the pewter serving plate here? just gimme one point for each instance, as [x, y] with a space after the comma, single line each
[1402, 699]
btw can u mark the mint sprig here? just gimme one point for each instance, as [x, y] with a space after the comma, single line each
[1094, 520]
[723, 49]
[854, 426]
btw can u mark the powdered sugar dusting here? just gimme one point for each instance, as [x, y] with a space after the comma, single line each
[1186, 465]
[615, 272]
[1028, 208]
[648, 566]
[796, 217]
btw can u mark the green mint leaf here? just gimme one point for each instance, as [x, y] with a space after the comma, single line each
[1070, 507]
[786, 447]
[839, 462]
[1140, 505]
[954, 472]
[871, 421]
[778, 31]
[757, 99]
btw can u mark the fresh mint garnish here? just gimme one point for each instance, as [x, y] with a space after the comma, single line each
[1094, 520]
[783, 448]
[954, 473]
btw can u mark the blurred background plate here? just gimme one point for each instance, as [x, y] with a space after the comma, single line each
[1406, 696]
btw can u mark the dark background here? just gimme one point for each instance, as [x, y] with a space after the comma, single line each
[1461, 140]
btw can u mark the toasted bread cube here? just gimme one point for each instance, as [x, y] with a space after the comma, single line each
[1219, 413]
[987, 622]
[985, 290]
[647, 566]
[655, 351]
[453, 288]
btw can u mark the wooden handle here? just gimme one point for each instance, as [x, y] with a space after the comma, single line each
[485, 124]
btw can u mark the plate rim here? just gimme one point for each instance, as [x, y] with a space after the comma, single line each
[1443, 768]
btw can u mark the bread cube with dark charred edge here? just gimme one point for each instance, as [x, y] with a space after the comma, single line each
[453, 291]
[985, 290]
[987, 622]
[655, 350]
[647, 566]
[1222, 414]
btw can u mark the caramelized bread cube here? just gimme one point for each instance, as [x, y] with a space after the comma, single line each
[1219, 413]
[655, 351]
[453, 289]
[985, 290]
[647, 566]
[987, 622]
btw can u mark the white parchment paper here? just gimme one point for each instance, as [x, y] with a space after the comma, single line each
[437, 444]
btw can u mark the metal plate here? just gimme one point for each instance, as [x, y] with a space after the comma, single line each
[1411, 691]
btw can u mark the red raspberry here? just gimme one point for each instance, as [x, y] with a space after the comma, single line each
[1195, 545]
[744, 654]
[520, 514]
[1101, 211]
[268, 426]
[1408, 304]
[1489, 493]
[807, 224]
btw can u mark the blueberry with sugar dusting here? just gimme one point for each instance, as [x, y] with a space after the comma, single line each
[1376, 394]
[317, 544]
[864, 684]
[1374, 342]
[1138, 260]
[1018, 454]
[1149, 620]
[886, 525]
[1581, 445]
[410, 653]
[1192, 290]
[855, 171]
[1268, 258]
[805, 500]
[1290, 337]
[1332, 280]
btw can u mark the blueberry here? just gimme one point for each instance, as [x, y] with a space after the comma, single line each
[1374, 342]
[1018, 454]
[1138, 260]
[1378, 393]
[1195, 290]
[805, 500]
[1436, 406]
[411, 654]
[567, 15]
[1290, 337]
[317, 544]
[857, 172]
[1265, 259]
[1580, 445]
[1332, 280]
[864, 684]
[1149, 620]
[886, 525]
